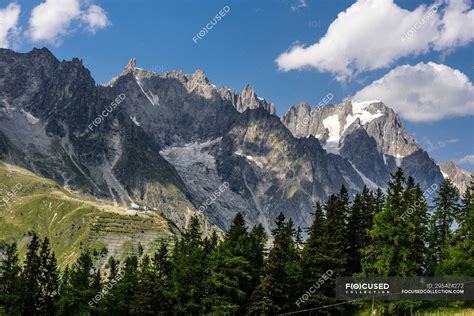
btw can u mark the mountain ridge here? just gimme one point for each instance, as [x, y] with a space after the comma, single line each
[191, 137]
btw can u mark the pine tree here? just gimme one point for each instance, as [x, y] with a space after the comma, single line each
[379, 256]
[143, 299]
[379, 200]
[10, 282]
[397, 236]
[275, 289]
[189, 270]
[31, 289]
[256, 254]
[312, 259]
[447, 208]
[163, 270]
[49, 279]
[230, 277]
[97, 281]
[417, 232]
[359, 224]
[460, 255]
[391, 251]
[335, 248]
[78, 291]
[113, 267]
[124, 290]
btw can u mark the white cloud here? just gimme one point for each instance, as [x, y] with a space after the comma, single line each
[95, 18]
[424, 92]
[8, 23]
[457, 27]
[52, 19]
[468, 159]
[373, 34]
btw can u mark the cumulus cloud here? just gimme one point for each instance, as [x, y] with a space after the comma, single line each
[95, 18]
[423, 92]
[373, 34]
[457, 25]
[52, 19]
[8, 23]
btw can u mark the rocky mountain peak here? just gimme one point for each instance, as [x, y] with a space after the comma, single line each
[178, 128]
[460, 177]
[200, 76]
[131, 65]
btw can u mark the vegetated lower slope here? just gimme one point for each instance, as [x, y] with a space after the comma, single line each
[73, 221]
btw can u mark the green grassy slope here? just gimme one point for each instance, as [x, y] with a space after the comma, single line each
[72, 221]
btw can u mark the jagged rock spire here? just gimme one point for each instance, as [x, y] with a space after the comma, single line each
[131, 64]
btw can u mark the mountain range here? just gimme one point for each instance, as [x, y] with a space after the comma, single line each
[176, 144]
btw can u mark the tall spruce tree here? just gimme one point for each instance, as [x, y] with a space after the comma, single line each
[313, 259]
[78, 291]
[190, 270]
[274, 291]
[163, 270]
[126, 288]
[10, 282]
[460, 254]
[230, 271]
[31, 288]
[49, 279]
[447, 208]
[389, 254]
[359, 224]
[417, 232]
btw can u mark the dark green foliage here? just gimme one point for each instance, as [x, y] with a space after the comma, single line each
[459, 259]
[374, 234]
[10, 282]
[274, 293]
[49, 279]
[189, 270]
[359, 224]
[31, 289]
[77, 290]
[447, 209]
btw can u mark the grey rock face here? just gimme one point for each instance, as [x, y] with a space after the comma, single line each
[176, 139]
[460, 177]
[369, 135]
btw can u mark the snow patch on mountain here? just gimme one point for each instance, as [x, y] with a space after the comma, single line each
[369, 183]
[359, 112]
[30, 118]
[154, 100]
[334, 127]
[256, 160]
[134, 120]
[333, 123]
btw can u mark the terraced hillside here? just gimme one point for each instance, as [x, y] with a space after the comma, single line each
[71, 221]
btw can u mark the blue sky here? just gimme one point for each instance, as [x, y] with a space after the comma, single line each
[243, 47]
